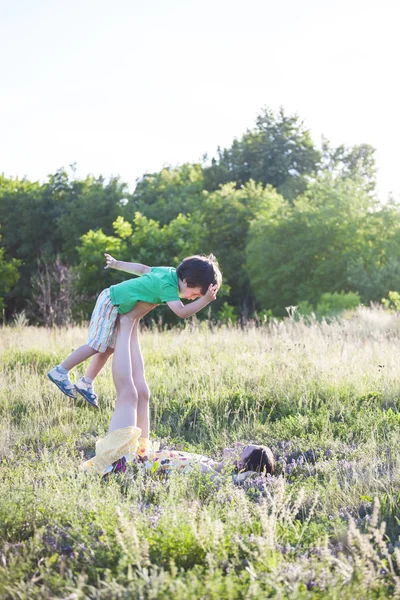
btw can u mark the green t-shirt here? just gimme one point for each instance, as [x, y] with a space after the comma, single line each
[160, 285]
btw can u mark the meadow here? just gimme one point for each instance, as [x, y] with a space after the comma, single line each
[324, 396]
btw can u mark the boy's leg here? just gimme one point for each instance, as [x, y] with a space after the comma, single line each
[84, 385]
[77, 357]
[97, 363]
[59, 375]
[102, 324]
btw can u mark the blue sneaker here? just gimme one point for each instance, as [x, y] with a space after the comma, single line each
[86, 390]
[62, 381]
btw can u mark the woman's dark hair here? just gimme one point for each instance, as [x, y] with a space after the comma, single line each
[200, 271]
[261, 460]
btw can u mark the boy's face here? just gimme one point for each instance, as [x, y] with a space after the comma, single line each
[189, 293]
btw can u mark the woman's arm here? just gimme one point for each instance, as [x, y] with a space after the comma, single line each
[135, 268]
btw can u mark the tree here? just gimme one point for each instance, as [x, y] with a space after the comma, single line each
[8, 275]
[226, 215]
[88, 204]
[43, 221]
[376, 271]
[356, 163]
[278, 151]
[163, 196]
[52, 297]
[305, 250]
[28, 232]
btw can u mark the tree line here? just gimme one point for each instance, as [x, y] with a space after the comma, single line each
[288, 222]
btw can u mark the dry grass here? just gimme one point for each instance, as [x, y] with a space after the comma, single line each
[324, 396]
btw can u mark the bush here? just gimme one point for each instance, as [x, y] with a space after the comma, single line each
[392, 302]
[334, 304]
[305, 308]
[329, 305]
[226, 314]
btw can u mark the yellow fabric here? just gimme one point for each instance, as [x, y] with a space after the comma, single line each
[145, 446]
[116, 444]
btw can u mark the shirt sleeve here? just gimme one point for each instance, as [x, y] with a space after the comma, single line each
[169, 293]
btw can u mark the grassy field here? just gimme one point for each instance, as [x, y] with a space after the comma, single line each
[324, 397]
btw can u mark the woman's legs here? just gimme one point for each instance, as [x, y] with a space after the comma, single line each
[125, 412]
[139, 380]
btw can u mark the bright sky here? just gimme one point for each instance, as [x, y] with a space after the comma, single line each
[129, 86]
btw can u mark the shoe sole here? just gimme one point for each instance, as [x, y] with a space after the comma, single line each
[94, 404]
[60, 388]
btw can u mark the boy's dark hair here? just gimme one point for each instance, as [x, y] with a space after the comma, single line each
[261, 460]
[200, 271]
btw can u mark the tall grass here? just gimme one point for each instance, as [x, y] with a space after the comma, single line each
[323, 396]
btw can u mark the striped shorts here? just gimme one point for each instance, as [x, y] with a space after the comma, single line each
[102, 328]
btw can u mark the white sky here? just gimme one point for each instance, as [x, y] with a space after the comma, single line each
[127, 86]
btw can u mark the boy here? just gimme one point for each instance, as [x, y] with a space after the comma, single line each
[197, 278]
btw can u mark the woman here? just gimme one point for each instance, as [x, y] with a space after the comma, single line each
[120, 447]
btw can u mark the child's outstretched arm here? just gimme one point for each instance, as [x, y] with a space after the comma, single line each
[185, 311]
[135, 268]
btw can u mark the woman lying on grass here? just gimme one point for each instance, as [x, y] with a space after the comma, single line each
[120, 447]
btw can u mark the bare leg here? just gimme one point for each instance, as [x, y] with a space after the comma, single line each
[78, 356]
[125, 412]
[139, 379]
[97, 363]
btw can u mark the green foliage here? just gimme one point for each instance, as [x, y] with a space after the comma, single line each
[42, 221]
[91, 277]
[305, 308]
[277, 152]
[286, 222]
[226, 216]
[122, 228]
[8, 275]
[356, 163]
[163, 196]
[330, 305]
[376, 270]
[226, 314]
[392, 302]
[89, 204]
[334, 304]
[311, 247]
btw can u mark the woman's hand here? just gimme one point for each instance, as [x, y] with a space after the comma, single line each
[111, 262]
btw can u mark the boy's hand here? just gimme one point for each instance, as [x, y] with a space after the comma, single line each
[211, 293]
[111, 262]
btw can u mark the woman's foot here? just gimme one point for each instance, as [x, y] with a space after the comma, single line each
[62, 381]
[85, 388]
